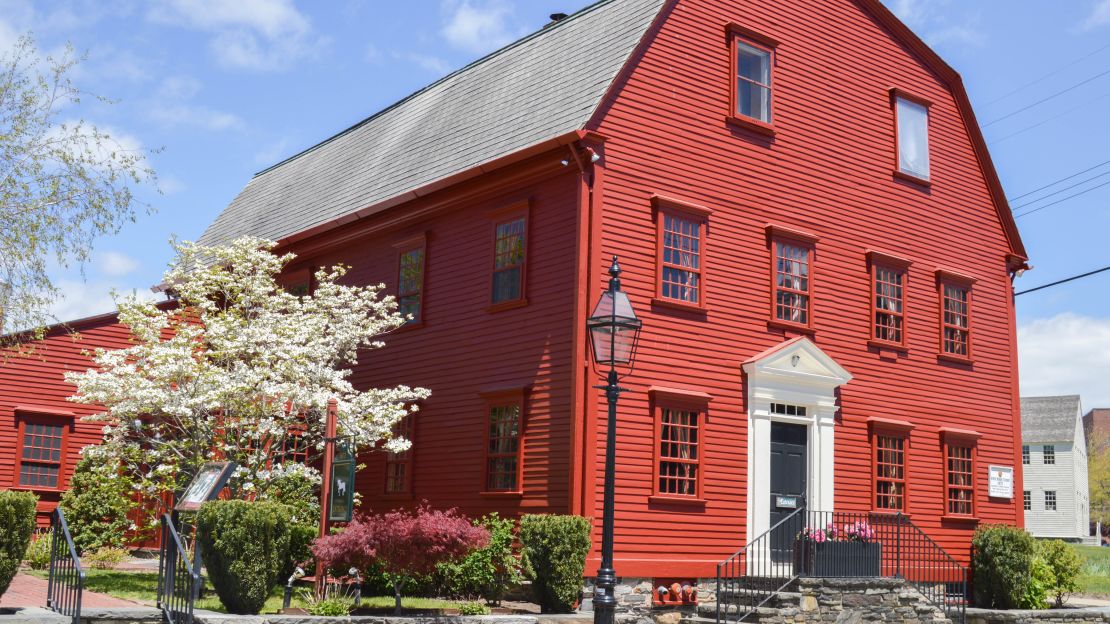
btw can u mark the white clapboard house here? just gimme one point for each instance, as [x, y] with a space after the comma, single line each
[1054, 463]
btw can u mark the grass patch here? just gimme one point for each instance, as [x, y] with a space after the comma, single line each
[142, 587]
[1094, 577]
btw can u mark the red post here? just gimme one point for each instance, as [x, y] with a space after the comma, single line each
[325, 485]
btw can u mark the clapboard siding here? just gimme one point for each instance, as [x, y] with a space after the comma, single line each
[827, 171]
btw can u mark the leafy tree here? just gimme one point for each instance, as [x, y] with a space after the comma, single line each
[62, 184]
[402, 543]
[486, 572]
[1006, 568]
[1098, 476]
[237, 369]
[97, 505]
[1065, 564]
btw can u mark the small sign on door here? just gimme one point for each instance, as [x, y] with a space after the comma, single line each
[786, 502]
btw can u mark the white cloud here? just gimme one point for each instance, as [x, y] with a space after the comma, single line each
[259, 35]
[273, 153]
[966, 34]
[431, 63]
[478, 26]
[1066, 354]
[1099, 16]
[939, 23]
[171, 184]
[171, 106]
[80, 299]
[115, 264]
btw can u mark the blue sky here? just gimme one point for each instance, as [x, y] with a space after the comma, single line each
[224, 89]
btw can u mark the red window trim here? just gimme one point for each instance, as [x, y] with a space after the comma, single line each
[892, 429]
[408, 430]
[900, 94]
[42, 416]
[499, 216]
[675, 398]
[661, 206]
[950, 278]
[875, 261]
[502, 398]
[776, 234]
[734, 32]
[966, 439]
[402, 247]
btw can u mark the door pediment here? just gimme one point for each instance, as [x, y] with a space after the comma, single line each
[800, 361]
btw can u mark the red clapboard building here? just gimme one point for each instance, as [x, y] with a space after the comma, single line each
[811, 230]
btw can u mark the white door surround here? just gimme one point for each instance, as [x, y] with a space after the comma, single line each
[798, 373]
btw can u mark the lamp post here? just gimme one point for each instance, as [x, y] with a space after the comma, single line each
[614, 333]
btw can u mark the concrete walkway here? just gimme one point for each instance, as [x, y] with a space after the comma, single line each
[30, 591]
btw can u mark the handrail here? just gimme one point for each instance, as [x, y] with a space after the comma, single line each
[178, 577]
[66, 582]
[760, 570]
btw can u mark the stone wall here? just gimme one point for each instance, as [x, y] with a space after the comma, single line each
[1047, 616]
[848, 601]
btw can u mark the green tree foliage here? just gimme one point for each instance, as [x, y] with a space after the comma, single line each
[1098, 476]
[17, 522]
[299, 491]
[97, 505]
[1003, 564]
[63, 184]
[243, 545]
[486, 572]
[38, 551]
[554, 557]
[1065, 564]
[1041, 581]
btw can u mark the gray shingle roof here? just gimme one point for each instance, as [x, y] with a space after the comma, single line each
[540, 87]
[1049, 419]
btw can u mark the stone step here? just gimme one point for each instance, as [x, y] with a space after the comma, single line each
[781, 600]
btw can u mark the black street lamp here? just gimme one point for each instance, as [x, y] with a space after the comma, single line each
[614, 334]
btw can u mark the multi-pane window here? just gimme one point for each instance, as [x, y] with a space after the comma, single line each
[410, 283]
[913, 137]
[297, 283]
[41, 458]
[889, 297]
[1027, 500]
[890, 472]
[1049, 454]
[678, 451]
[792, 282]
[753, 81]
[1025, 454]
[503, 447]
[955, 327]
[786, 409]
[681, 264]
[1050, 500]
[294, 448]
[961, 489]
[508, 260]
[398, 466]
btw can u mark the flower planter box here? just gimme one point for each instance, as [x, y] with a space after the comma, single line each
[837, 559]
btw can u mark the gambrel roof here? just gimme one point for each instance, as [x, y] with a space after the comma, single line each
[540, 87]
[1049, 418]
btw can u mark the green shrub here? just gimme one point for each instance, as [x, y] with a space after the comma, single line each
[1003, 566]
[105, 558]
[488, 572]
[299, 491]
[17, 522]
[1065, 563]
[1040, 582]
[336, 601]
[243, 546]
[38, 551]
[554, 556]
[97, 505]
[473, 608]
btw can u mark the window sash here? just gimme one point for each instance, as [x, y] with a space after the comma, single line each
[1025, 454]
[956, 320]
[398, 466]
[792, 282]
[960, 480]
[678, 454]
[410, 282]
[1050, 500]
[890, 472]
[1027, 500]
[888, 302]
[681, 261]
[510, 239]
[912, 120]
[42, 449]
[753, 81]
[503, 447]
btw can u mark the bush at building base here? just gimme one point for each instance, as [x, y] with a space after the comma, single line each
[1065, 564]
[554, 556]
[486, 572]
[97, 505]
[1003, 563]
[243, 545]
[17, 522]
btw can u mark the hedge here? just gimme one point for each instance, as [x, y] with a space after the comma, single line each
[243, 546]
[17, 522]
[554, 557]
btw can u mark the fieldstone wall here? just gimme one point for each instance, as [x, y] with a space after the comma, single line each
[1048, 616]
[849, 601]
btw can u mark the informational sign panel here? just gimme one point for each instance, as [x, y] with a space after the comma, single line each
[206, 485]
[342, 501]
[1001, 482]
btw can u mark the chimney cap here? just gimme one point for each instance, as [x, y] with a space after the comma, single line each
[558, 17]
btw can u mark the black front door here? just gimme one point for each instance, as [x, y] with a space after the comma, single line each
[788, 484]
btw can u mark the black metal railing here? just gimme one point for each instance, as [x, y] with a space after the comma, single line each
[178, 577]
[825, 544]
[67, 580]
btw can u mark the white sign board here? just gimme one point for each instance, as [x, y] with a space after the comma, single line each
[1002, 481]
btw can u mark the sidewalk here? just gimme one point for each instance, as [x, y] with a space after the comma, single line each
[30, 591]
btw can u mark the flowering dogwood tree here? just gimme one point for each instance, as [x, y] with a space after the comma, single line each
[241, 370]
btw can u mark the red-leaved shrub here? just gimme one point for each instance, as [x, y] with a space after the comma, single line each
[402, 543]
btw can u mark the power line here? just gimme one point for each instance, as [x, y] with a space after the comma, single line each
[1048, 119]
[1079, 173]
[1063, 281]
[1046, 76]
[1066, 188]
[1045, 99]
[1061, 200]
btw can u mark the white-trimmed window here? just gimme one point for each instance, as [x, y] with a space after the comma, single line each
[1049, 455]
[1027, 500]
[1025, 454]
[1050, 500]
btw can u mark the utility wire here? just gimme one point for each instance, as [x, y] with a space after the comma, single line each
[1063, 281]
[1078, 173]
[1045, 99]
[1061, 200]
[1048, 119]
[1066, 188]
[1046, 76]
